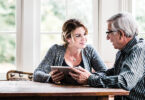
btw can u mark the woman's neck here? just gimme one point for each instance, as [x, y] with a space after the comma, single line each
[73, 56]
[72, 51]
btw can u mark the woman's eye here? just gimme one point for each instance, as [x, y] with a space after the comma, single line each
[77, 35]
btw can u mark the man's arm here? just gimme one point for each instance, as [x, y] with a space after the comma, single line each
[131, 71]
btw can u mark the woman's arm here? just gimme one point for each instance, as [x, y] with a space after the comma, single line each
[41, 74]
[96, 61]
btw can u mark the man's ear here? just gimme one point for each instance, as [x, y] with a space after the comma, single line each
[121, 33]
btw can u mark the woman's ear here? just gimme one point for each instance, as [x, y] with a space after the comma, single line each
[68, 40]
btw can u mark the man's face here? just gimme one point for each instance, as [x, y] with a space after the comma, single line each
[114, 37]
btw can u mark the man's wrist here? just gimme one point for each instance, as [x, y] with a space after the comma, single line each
[91, 79]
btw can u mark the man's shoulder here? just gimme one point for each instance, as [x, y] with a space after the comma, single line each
[139, 46]
[140, 43]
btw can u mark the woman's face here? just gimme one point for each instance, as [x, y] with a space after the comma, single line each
[79, 38]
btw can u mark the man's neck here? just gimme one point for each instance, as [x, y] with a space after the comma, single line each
[126, 41]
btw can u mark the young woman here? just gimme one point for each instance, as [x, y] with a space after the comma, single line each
[74, 52]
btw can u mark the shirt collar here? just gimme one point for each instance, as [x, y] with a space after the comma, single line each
[129, 45]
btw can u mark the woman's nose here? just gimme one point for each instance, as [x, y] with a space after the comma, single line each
[83, 37]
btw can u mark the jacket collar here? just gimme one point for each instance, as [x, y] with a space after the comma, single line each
[129, 45]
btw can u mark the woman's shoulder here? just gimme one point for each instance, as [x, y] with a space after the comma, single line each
[57, 47]
[89, 47]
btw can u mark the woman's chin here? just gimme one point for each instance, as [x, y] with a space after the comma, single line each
[83, 46]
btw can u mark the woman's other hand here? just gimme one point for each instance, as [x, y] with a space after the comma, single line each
[80, 75]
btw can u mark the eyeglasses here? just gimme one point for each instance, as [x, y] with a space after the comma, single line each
[108, 32]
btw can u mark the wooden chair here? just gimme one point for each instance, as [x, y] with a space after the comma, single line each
[14, 75]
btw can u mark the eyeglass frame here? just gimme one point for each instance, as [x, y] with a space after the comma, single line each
[108, 32]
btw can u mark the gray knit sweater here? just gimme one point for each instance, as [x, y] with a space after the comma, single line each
[55, 57]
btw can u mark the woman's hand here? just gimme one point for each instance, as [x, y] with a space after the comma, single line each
[80, 75]
[56, 76]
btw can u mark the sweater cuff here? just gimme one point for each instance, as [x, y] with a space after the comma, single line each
[48, 78]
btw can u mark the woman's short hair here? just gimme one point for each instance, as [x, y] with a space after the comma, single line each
[125, 22]
[68, 27]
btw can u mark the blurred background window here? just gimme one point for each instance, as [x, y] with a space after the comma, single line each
[139, 10]
[7, 35]
[55, 12]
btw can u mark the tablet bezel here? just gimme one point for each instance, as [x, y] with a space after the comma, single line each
[64, 69]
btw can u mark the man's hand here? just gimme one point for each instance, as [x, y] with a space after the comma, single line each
[56, 76]
[80, 75]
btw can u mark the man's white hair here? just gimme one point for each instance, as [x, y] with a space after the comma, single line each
[125, 22]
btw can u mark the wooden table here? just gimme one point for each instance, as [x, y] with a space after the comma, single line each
[29, 90]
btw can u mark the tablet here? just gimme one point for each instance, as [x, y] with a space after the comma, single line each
[64, 69]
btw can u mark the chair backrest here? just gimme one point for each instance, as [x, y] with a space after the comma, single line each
[14, 75]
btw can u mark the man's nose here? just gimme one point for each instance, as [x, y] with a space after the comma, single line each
[107, 37]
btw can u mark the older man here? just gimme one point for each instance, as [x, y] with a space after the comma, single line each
[129, 68]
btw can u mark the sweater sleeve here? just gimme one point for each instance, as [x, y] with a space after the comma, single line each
[41, 73]
[96, 61]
